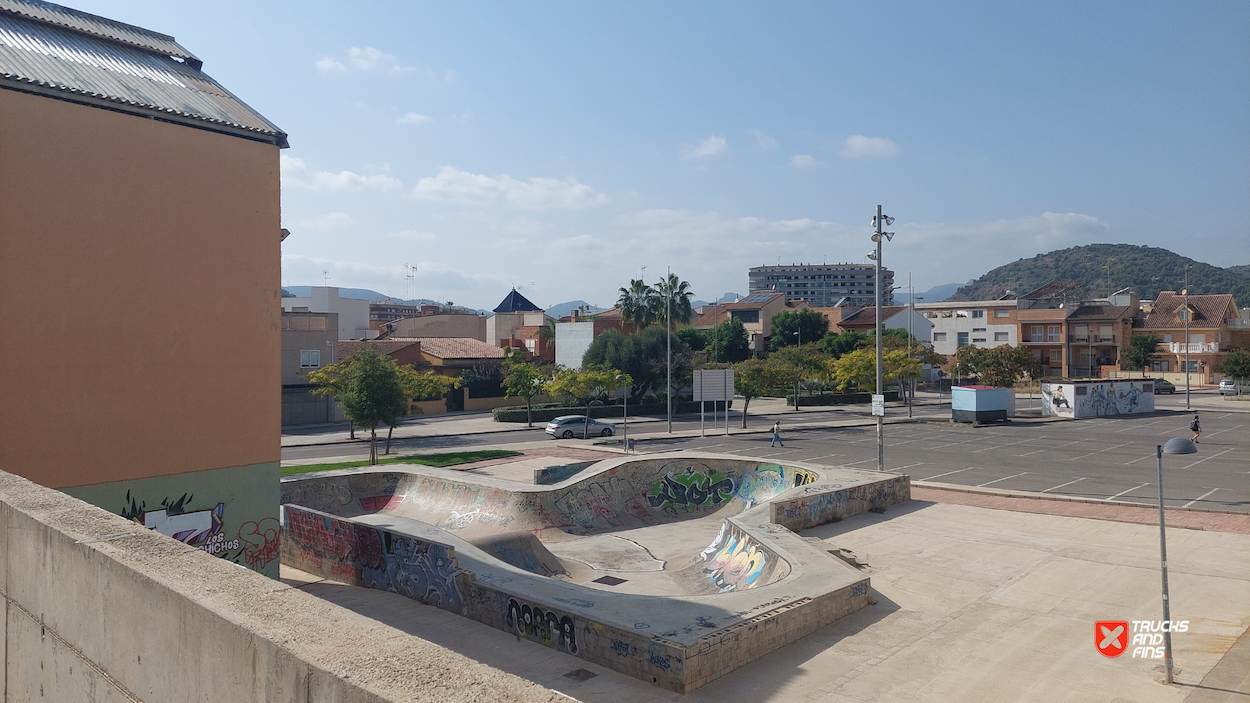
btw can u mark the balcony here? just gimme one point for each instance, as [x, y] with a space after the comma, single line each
[1194, 347]
[1091, 339]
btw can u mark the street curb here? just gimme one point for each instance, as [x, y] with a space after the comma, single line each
[956, 488]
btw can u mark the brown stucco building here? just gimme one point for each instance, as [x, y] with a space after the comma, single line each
[130, 178]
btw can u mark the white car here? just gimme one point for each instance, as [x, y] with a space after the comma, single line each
[570, 426]
[1228, 387]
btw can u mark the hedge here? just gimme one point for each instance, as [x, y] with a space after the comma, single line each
[837, 398]
[548, 411]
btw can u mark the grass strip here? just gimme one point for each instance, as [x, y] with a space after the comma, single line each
[444, 459]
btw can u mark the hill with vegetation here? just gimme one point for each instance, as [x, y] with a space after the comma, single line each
[1106, 268]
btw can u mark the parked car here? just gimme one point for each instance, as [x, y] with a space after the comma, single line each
[570, 426]
[1228, 387]
[1164, 386]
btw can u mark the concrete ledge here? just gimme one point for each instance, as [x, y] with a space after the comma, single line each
[102, 609]
[1065, 499]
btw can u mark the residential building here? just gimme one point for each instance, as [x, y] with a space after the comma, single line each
[1214, 320]
[979, 323]
[1044, 332]
[1097, 332]
[309, 342]
[575, 333]
[438, 324]
[893, 317]
[449, 356]
[384, 311]
[503, 329]
[353, 313]
[823, 285]
[125, 164]
[755, 312]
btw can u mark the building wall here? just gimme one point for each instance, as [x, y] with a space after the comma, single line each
[470, 326]
[991, 329]
[307, 331]
[172, 233]
[572, 341]
[822, 285]
[353, 312]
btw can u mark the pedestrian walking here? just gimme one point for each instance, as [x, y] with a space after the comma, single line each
[1195, 428]
[776, 435]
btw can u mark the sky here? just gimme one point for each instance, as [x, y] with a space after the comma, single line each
[559, 148]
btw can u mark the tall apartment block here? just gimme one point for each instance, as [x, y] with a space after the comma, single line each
[823, 285]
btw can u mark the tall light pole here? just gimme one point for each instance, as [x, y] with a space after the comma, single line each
[668, 340]
[911, 313]
[878, 221]
[625, 436]
[1176, 445]
[1185, 292]
[798, 334]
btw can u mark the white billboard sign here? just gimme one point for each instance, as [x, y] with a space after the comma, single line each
[713, 385]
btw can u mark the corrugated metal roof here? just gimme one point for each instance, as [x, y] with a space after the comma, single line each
[98, 26]
[38, 56]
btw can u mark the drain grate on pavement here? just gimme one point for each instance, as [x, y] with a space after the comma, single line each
[580, 675]
[609, 580]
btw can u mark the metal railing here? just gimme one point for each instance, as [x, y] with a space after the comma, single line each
[1194, 347]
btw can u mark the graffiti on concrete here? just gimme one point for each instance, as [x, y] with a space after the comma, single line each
[543, 626]
[595, 503]
[197, 528]
[822, 504]
[1077, 400]
[423, 571]
[260, 542]
[735, 562]
[624, 649]
[802, 477]
[691, 488]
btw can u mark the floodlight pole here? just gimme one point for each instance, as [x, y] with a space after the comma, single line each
[911, 302]
[1163, 562]
[1186, 293]
[668, 340]
[877, 291]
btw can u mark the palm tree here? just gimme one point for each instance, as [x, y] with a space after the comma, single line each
[675, 294]
[637, 303]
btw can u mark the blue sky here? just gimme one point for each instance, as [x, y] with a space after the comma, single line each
[561, 147]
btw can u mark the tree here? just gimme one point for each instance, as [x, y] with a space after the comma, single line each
[1141, 353]
[637, 303]
[752, 379]
[642, 356]
[811, 325]
[728, 342]
[417, 385]
[587, 385]
[672, 294]
[807, 361]
[523, 380]
[1236, 364]
[1001, 366]
[368, 386]
[693, 338]
[858, 367]
[836, 345]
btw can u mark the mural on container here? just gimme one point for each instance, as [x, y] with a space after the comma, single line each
[1077, 400]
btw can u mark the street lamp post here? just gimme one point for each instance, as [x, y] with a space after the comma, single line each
[1176, 445]
[798, 334]
[1185, 292]
[877, 236]
[668, 339]
[625, 411]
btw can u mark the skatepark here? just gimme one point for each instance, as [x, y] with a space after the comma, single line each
[674, 568]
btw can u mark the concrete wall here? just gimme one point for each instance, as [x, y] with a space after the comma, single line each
[572, 341]
[99, 609]
[353, 312]
[822, 504]
[471, 326]
[306, 331]
[172, 234]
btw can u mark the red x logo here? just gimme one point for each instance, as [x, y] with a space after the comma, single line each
[1111, 637]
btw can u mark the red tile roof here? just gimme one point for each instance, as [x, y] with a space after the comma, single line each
[382, 346]
[1209, 310]
[458, 348]
[868, 316]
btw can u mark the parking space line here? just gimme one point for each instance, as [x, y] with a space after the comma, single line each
[1123, 492]
[1138, 459]
[900, 468]
[1148, 424]
[948, 473]
[1204, 495]
[1001, 479]
[1053, 446]
[1000, 446]
[1069, 483]
[1100, 451]
[1210, 457]
[1234, 427]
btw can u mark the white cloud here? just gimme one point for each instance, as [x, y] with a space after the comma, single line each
[858, 145]
[803, 161]
[298, 174]
[764, 141]
[327, 65]
[411, 235]
[370, 60]
[453, 185]
[327, 221]
[413, 118]
[704, 148]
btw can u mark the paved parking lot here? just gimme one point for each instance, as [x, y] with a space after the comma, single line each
[1109, 459]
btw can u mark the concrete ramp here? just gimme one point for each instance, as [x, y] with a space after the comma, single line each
[522, 550]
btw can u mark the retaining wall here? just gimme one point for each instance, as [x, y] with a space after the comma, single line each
[821, 504]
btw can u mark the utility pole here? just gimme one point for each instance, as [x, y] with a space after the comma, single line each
[877, 236]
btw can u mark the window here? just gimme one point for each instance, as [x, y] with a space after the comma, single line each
[1193, 366]
[963, 339]
[1104, 332]
[978, 339]
[1002, 313]
[978, 313]
[531, 345]
[310, 358]
[1167, 339]
[1056, 357]
[1000, 336]
[1053, 333]
[747, 316]
[1080, 332]
[939, 336]
[978, 329]
[1035, 333]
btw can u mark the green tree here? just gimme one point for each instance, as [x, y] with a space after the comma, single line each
[754, 378]
[637, 303]
[1237, 365]
[808, 361]
[672, 294]
[416, 385]
[728, 342]
[368, 386]
[788, 326]
[858, 367]
[642, 356]
[693, 338]
[835, 345]
[1001, 366]
[523, 380]
[1141, 352]
[587, 385]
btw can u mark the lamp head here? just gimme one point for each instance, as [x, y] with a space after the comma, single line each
[888, 220]
[1179, 445]
[876, 237]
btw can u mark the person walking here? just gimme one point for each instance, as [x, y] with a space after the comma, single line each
[776, 435]
[1195, 428]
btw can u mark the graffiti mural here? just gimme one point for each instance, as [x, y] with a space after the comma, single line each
[692, 488]
[821, 504]
[201, 529]
[543, 626]
[602, 504]
[1096, 399]
[260, 542]
[802, 477]
[421, 570]
[735, 562]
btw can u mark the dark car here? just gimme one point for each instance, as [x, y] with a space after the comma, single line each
[1164, 386]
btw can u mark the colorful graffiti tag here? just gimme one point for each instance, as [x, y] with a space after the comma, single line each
[260, 542]
[734, 562]
[691, 488]
[201, 529]
[544, 626]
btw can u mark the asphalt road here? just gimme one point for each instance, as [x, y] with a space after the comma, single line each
[1110, 459]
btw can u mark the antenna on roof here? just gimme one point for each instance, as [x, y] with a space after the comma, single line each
[325, 278]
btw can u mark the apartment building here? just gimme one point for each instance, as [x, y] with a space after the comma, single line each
[309, 342]
[353, 313]
[823, 285]
[979, 323]
[1214, 322]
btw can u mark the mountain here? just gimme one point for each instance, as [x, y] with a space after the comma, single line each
[726, 298]
[1240, 270]
[560, 310]
[1106, 268]
[933, 295]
